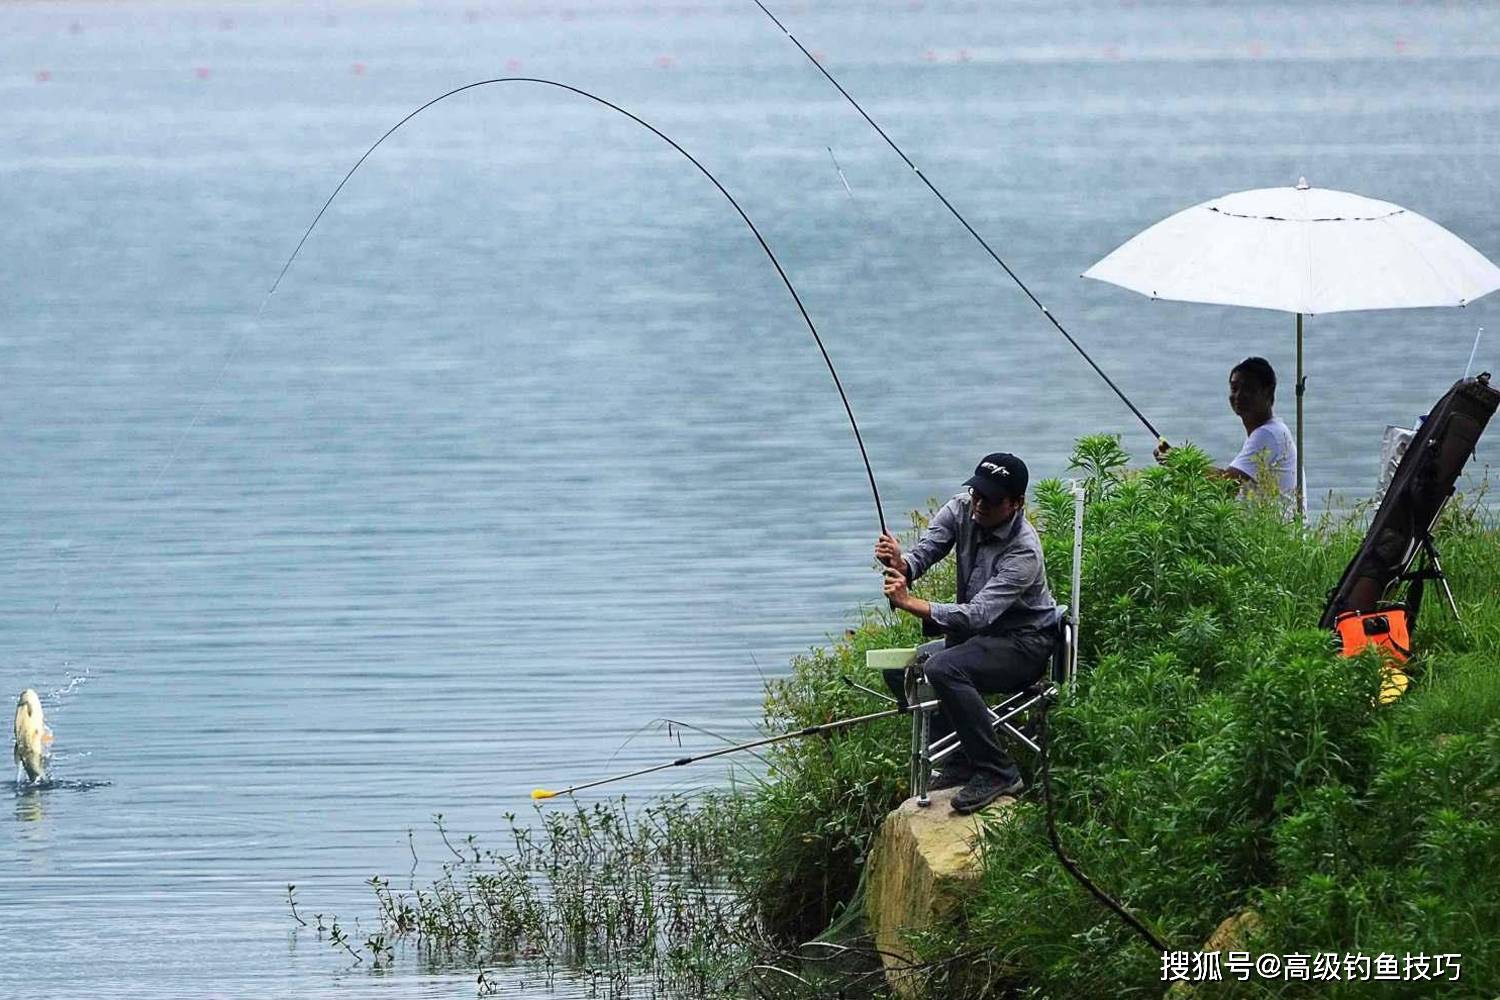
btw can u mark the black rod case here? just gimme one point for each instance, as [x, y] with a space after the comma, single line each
[1419, 488]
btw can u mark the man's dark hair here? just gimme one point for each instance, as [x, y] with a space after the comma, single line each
[1259, 371]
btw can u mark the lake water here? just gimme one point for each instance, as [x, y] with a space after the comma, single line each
[532, 448]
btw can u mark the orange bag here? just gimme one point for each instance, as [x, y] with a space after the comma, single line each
[1384, 627]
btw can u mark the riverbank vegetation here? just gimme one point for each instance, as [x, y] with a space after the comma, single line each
[1214, 757]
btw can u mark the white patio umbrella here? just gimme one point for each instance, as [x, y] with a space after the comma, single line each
[1301, 250]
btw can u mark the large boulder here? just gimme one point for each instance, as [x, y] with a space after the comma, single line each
[921, 865]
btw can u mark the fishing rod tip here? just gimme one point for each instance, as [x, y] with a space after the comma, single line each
[542, 793]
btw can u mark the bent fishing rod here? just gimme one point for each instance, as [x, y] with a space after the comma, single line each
[780, 271]
[233, 352]
[965, 223]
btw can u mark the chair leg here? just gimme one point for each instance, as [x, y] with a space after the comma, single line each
[925, 753]
[921, 764]
[925, 763]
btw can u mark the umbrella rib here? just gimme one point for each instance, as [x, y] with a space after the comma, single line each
[1441, 278]
[1307, 300]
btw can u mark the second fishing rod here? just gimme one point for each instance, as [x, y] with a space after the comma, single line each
[1068, 864]
[1155, 434]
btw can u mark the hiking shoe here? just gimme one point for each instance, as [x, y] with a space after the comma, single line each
[982, 789]
[949, 778]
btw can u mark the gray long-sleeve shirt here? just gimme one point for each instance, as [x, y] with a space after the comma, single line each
[1002, 582]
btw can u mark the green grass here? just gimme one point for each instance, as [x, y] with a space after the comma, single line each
[1215, 755]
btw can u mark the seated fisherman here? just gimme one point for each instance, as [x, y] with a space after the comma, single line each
[1000, 632]
[1269, 448]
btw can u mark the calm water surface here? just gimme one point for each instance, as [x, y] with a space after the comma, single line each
[531, 448]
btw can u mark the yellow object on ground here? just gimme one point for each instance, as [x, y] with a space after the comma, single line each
[1393, 683]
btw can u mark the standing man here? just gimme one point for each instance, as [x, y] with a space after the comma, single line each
[1268, 459]
[998, 634]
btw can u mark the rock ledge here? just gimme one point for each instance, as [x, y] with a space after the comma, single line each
[921, 863]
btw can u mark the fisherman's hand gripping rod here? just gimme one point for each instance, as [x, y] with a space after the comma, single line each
[965, 223]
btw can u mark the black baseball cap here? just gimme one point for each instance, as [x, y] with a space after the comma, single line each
[1000, 476]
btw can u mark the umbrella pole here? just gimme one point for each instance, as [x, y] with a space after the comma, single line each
[1301, 389]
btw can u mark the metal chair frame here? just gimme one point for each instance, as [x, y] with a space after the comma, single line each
[912, 695]
[920, 695]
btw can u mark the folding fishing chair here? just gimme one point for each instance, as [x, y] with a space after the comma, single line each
[914, 694]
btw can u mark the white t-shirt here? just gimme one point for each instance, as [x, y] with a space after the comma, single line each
[1270, 446]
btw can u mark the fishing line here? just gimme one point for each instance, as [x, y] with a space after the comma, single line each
[821, 729]
[965, 222]
[1473, 351]
[840, 169]
[152, 486]
[837, 382]
[668, 724]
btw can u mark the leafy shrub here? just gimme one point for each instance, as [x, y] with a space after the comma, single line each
[1215, 755]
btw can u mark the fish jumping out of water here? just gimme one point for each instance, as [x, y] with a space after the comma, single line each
[32, 735]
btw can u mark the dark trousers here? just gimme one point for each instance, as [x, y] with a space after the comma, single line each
[962, 671]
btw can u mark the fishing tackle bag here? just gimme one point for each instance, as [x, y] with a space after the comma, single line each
[1385, 628]
[1402, 527]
